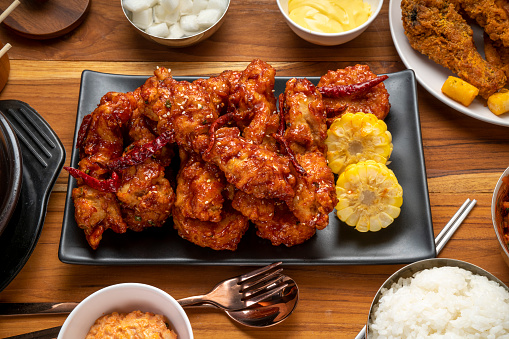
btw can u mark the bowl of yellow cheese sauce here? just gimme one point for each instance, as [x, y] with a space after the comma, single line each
[329, 22]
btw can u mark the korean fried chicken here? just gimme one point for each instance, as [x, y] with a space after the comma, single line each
[200, 188]
[304, 114]
[146, 196]
[222, 235]
[100, 140]
[436, 29]
[251, 167]
[253, 104]
[374, 101]
[241, 161]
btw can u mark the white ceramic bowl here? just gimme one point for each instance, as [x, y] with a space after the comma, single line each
[501, 190]
[126, 298]
[329, 39]
[180, 42]
[410, 269]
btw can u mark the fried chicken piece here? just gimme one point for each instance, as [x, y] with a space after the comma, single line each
[146, 196]
[315, 194]
[184, 108]
[223, 235]
[199, 188]
[496, 54]
[436, 29]
[252, 207]
[219, 88]
[251, 167]
[253, 103]
[374, 101]
[284, 228]
[103, 138]
[95, 212]
[305, 117]
[492, 15]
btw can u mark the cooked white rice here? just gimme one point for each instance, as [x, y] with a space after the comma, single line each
[444, 302]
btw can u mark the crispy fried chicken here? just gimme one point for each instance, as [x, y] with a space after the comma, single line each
[436, 29]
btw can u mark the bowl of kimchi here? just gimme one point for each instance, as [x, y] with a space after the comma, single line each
[500, 213]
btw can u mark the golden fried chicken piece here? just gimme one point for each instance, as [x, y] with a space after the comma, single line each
[496, 54]
[253, 103]
[284, 228]
[146, 196]
[223, 235]
[374, 101]
[492, 15]
[95, 212]
[200, 188]
[436, 29]
[251, 167]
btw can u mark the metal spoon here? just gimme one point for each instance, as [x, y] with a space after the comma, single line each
[272, 311]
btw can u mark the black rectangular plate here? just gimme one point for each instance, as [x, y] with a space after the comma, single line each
[408, 239]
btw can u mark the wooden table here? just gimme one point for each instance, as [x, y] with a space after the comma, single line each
[464, 158]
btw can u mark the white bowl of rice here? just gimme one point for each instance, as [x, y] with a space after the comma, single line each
[440, 298]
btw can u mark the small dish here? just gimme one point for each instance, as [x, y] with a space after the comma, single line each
[185, 41]
[126, 297]
[501, 191]
[330, 39]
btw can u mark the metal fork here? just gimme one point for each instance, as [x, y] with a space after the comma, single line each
[242, 291]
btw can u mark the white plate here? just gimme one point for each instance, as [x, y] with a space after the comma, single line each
[431, 75]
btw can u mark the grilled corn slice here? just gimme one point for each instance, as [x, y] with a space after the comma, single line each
[369, 196]
[357, 137]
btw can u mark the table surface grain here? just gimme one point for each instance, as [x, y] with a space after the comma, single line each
[464, 158]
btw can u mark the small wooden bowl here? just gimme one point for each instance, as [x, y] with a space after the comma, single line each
[5, 68]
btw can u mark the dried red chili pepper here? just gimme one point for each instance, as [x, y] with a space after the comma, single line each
[141, 152]
[348, 90]
[82, 133]
[223, 119]
[108, 185]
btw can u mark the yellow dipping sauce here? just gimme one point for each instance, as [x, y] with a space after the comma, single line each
[329, 16]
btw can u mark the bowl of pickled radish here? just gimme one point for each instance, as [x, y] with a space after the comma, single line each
[329, 22]
[176, 23]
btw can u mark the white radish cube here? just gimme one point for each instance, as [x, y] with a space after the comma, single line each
[138, 5]
[175, 31]
[160, 30]
[143, 18]
[170, 5]
[208, 17]
[186, 7]
[162, 15]
[199, 5]
[217, 4]
[189, 23]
